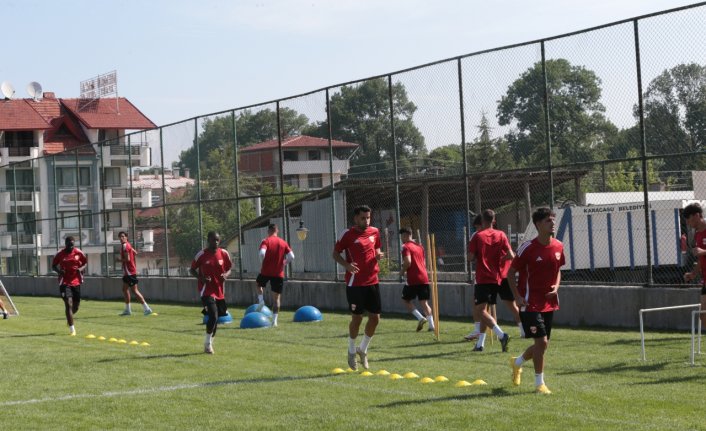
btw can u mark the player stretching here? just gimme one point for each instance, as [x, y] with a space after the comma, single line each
[211, 266]
[275, 254]
[362, 246]
[694, 216]
[539, 263]
[127, 256]
[414, 266]
[69, 263]
[488, 248]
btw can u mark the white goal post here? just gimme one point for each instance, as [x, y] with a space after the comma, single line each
[646, 310]
[9, 305]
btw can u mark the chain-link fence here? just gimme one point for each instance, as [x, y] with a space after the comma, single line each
[607, 126]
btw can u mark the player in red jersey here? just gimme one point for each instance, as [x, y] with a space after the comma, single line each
[362, 246]
[211, 266]
[539, 263]
[415, 267]
[488, 248]
[694, 216]
[70, 263]
[127, 256]
[275, 254]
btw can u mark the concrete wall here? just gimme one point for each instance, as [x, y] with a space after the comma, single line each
[580, 305]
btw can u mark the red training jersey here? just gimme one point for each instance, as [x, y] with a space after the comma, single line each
[127, 255]
[700, 242]
[360, 247]
[275, 250]
[212, 264]
[488, 246]
[539, 266]
[70, 262]
[504, 266]
[417, 271]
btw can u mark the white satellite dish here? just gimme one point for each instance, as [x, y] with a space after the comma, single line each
[35, 90]
[7, 90]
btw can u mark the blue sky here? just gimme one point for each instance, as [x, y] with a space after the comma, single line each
[177, 59]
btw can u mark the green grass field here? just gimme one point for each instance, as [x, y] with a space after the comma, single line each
[282, 377]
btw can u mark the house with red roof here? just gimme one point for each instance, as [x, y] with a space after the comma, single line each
[306, 161]
[62, 161]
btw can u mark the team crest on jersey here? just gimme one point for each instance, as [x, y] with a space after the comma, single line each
[76, 257]
[352, 307]
[533, 329]
[558, 255]
[220, 261]
[372, 238]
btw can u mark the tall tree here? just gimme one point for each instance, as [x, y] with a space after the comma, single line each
[361, 114]
[578, 127]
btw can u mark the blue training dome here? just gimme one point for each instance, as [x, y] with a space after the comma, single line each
[266, 311]
[223, 319]
[308, 313]
[255, 320]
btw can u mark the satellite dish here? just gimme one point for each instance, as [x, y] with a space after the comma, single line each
[7, 90]
[35, 90]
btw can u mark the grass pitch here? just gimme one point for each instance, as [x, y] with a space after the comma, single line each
[282, 377]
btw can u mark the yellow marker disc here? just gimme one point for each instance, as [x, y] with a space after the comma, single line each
[479, 382]
[410, 375]
[383, 373]
[366, 373]
[426, 380]
[462, 383]
[395, 376]
[338, 371]
[440, 379]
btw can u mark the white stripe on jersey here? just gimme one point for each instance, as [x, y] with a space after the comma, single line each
[522, 248]
[350, 282]
[198, 255]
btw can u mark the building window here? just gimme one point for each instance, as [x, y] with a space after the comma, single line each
[291, 156]
[67, 176]
[292, 180]
[315, 181]
[24, 178]
[69, 220]
[111, 177]
[113, 219]
[18, 139]
[314, 155]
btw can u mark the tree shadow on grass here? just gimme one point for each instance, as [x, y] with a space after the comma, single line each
[496, 392]
[48, 334]
[686, 379]
[166, 356]
[650, 340]
[619, 368]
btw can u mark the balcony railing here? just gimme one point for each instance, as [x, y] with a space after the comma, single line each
[123, 193]
[124, 150]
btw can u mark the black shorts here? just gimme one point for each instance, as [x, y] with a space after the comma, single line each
[68, 292]
[130, 280]
[420, 291]
[364, 298]
[485, 293]
[219, 303]
[276, 283]
[536, 324]
[504, 291]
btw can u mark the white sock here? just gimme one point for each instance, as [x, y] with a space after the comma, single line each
[351, 345]
[260, 299]
[71, 328]
[481, 340]
[145, 307]
[430, 319]
[539, 379]
[274, 319]
[519, 361]
[417, 314]
[499, 332]
[208, 340]
[522, 330]
[128, 307]
[476, 328]
[364, 343]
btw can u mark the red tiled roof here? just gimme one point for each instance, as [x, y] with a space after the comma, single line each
[65, 135]
[302, 141]
[17, 114]
[107, 114]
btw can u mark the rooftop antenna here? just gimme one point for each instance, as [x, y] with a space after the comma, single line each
[7, 90]
[35, 90]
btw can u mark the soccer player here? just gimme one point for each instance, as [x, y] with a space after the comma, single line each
[362, 246]
[4, 310]
[275, 254]
[694, 216]
[488, 247]
[539, 263]
[414, 266]
[127, 256]
[211, 266]
[70, 263]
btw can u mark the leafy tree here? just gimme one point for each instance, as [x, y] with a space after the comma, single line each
[361, 114]
[446, 160]
[487, 154]
[578, 127]
[184, 229]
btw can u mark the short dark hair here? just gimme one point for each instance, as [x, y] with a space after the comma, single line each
[122, 232]
[477, 220]
[692, 209]
[541, 213]
[69, 238]
[488, 216]
[212, 234]
[361, 209]
[272, 227]
[405, 229]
